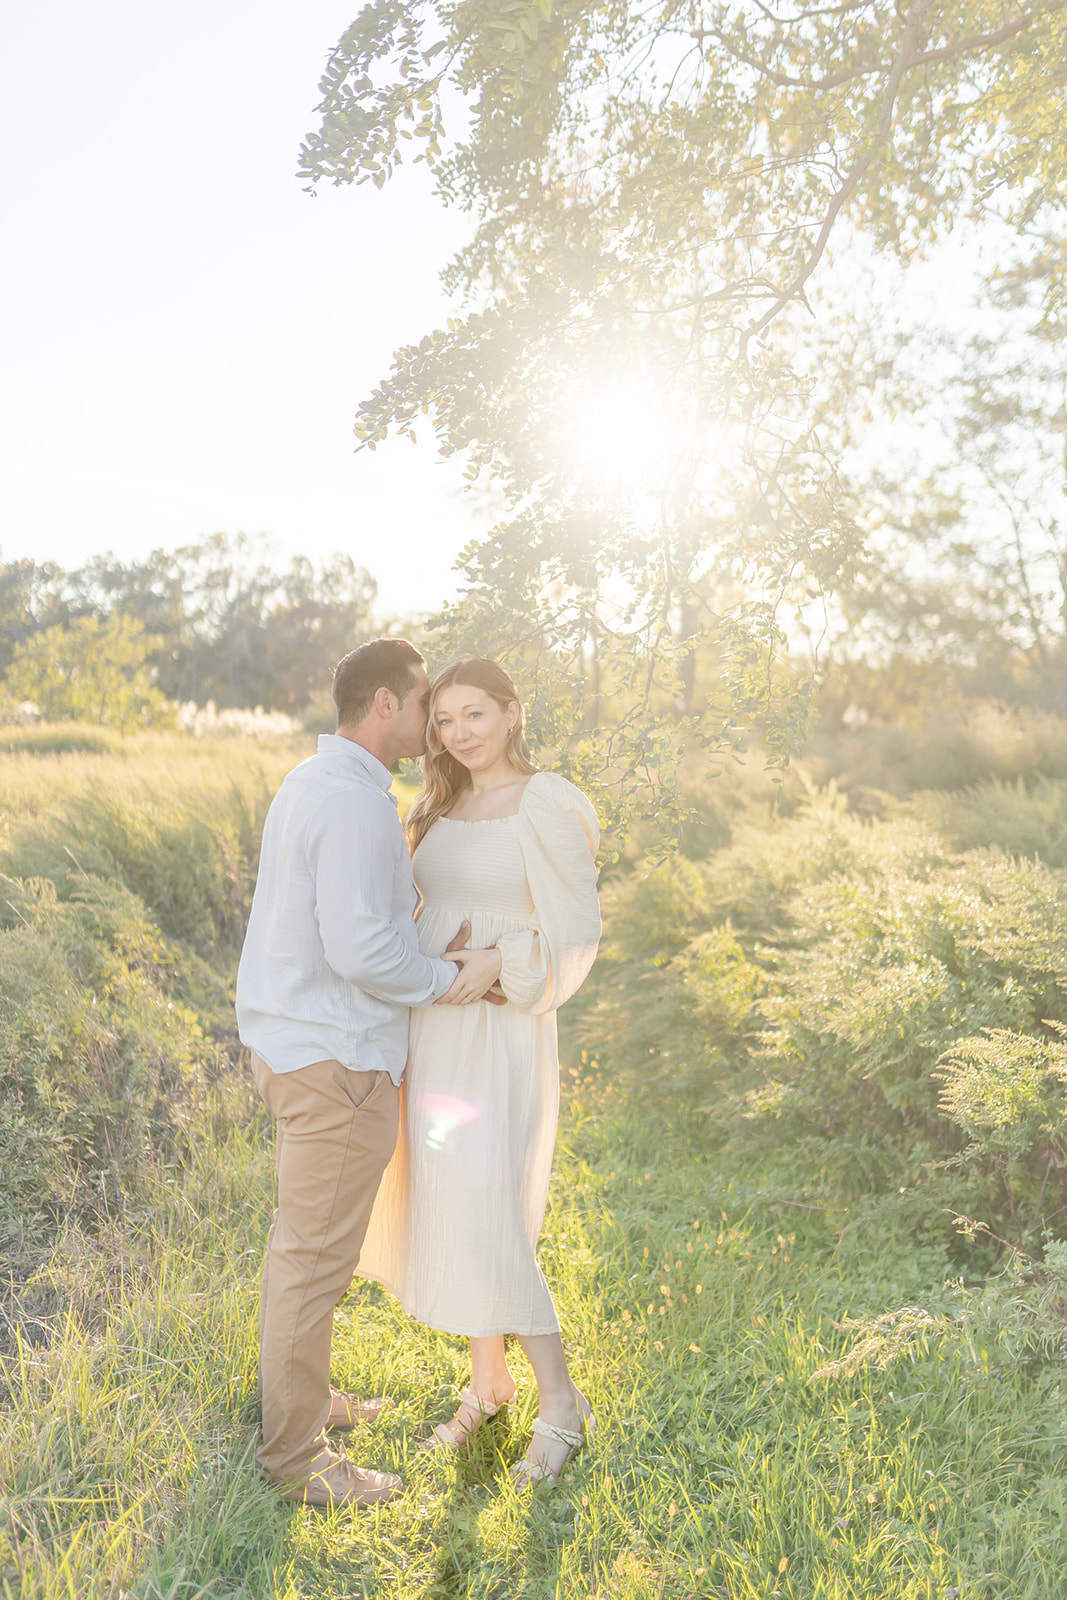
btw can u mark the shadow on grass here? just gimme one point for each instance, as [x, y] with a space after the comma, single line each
[501, 1542]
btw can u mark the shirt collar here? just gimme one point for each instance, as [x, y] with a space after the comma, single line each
[336, 744]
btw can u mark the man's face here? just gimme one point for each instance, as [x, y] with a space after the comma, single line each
[409, 724]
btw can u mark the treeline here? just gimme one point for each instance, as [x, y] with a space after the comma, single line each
[214, 621]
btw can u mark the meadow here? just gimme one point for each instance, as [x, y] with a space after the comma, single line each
[804, 1228]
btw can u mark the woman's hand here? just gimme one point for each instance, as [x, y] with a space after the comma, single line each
[478, 971]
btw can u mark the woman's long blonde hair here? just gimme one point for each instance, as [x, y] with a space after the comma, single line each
[445, 778]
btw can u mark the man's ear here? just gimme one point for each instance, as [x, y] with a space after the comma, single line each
[385, 702]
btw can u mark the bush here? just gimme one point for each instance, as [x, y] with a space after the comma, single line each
[809, 984]
[127, 882]
[1008, 1093]
[972, 743]
[183, 836]
[1023, 819]
[99, 1053]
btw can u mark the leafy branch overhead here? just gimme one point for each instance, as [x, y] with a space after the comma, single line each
[652, 192]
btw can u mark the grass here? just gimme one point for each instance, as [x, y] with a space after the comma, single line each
[765, 1428]
[698, 1307]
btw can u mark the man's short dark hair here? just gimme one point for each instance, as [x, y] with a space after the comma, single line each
[378, 664]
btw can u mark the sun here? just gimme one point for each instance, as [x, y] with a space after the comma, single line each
[618, 437]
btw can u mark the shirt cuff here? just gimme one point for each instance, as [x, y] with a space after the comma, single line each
[447, 973]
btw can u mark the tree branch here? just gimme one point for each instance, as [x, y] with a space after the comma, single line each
[834, 80]
[980, 41]
[882, 131]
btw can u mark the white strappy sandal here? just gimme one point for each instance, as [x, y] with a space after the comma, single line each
[454, 1435]
[524, 1471]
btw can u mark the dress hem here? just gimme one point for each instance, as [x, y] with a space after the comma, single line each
[444, 1327]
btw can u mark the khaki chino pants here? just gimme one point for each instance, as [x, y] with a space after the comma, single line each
[336, 1131]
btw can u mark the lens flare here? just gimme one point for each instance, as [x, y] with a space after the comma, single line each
[445, 1113]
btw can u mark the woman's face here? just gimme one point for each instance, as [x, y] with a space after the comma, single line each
[473, 727]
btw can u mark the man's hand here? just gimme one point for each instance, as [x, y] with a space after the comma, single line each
[459, 939]
[478, 971]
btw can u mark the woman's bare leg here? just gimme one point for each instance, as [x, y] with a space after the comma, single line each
[494, 1385]
[491, 1379]
[560, 1403]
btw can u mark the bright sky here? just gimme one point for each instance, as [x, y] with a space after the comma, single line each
[186, 334]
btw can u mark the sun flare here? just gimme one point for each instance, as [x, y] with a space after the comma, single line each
[618, 437]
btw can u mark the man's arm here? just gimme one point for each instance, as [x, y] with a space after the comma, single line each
[353, 854]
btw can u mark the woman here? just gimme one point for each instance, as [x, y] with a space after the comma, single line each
[511, 850]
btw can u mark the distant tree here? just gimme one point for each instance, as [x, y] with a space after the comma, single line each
[31, 598]
[223, 624]
[89, 671]
[653, 191]
[318, 616]
[255, 636]
[959, 478]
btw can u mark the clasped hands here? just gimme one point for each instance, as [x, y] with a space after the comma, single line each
[479, 971]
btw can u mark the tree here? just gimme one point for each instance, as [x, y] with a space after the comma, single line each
[653, 191]
[963, 573]
[31, 598]
[91, 671]
[224, 625]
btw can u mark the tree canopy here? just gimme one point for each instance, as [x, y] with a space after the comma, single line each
[221, 623]
[91, 671]
[653, 189]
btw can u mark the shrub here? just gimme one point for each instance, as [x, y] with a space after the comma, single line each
[1008, 1093]
[809, 983]
[1022, 819]
[127, 881]
[98, 1050]
[184, 842]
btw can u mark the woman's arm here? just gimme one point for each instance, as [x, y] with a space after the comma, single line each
[543, 966]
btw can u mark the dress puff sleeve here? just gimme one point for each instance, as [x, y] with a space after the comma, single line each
[558, 834]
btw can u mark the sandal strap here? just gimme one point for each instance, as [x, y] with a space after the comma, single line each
[485, 1408]
[450, 1434]
[567, 1436]
[453, 1434]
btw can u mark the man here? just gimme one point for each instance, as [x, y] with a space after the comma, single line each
[330, 966]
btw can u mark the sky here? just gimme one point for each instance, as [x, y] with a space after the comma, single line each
[185, 333]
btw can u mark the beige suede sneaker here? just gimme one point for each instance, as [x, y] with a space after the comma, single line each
[346, 1410]
[339, 1482]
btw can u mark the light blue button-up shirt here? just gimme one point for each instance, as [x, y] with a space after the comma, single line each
[331, 960]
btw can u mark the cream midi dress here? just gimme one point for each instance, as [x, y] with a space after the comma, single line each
[455, 1225]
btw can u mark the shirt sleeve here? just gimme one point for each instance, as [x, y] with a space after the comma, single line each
[558, 832]
[354, 851]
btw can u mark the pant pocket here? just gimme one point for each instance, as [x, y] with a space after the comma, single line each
[358, 1087]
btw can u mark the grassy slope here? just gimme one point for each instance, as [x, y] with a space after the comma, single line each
[697, 1310]
[698, 1305]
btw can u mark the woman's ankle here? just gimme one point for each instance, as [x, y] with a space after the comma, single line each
[495, 1388]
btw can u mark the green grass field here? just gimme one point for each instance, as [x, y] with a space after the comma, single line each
[750, 1443]
[698, 1311]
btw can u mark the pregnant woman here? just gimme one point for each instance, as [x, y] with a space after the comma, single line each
[455, 1225]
